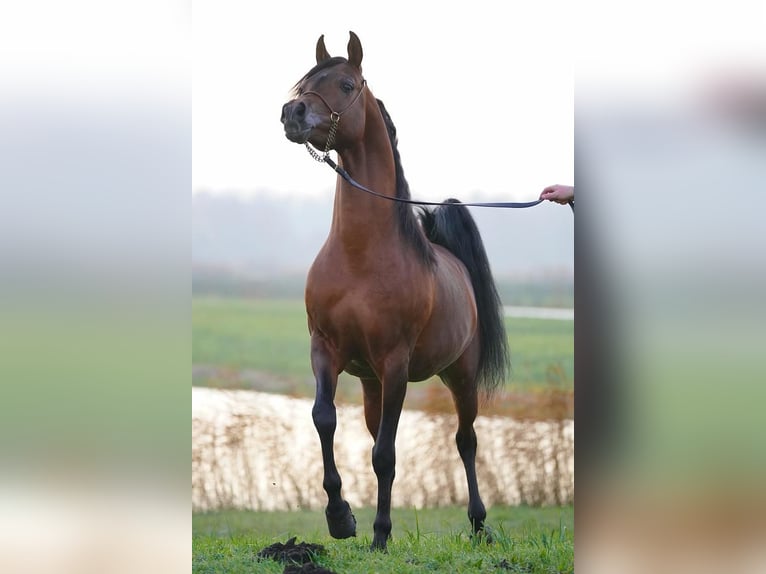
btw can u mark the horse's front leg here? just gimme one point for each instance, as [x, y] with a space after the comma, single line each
[394, 388]
[340, 520]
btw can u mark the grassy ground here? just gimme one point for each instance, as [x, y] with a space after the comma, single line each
[528, 540]
[264, 345]
[243, 339]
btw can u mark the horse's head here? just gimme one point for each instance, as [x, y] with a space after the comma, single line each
[328, 108]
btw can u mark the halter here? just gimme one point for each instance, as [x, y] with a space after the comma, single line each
[334, 121]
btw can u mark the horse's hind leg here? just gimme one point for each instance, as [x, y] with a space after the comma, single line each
[372, 404]
[340, 520]
[465, 397]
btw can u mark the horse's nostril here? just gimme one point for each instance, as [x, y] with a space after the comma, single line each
[293, 111]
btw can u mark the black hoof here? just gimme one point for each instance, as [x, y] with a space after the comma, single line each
[379, 545]
[342, 523]
[483, 535]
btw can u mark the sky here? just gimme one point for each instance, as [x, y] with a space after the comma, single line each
[481, 93]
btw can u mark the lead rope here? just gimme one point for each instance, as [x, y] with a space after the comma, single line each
[325, 158]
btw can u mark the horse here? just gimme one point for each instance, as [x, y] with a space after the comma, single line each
[395, 294]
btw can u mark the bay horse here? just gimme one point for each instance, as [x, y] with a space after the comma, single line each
[393, 296]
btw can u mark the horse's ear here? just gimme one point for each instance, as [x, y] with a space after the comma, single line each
[354, 51]
[322, 53]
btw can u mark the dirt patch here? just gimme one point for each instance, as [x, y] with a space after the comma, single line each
[292, 553]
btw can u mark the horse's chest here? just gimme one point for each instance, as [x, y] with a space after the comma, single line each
[353, 320]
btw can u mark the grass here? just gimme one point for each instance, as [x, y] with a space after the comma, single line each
[264, 334]
[263, 344]
[528, 540]
[271, 335]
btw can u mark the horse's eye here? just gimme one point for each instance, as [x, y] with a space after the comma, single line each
[347, 86]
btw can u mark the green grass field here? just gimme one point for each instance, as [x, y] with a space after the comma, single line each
[270, 335]
[267, 335]
[528, 540]
[263, 344]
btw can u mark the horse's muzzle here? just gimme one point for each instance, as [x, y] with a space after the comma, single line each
[297, 129]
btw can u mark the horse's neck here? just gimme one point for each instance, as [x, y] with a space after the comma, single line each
[363, 222]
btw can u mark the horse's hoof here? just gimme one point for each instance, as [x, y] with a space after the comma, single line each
[378, 545]
[483, 535]
[342, 523]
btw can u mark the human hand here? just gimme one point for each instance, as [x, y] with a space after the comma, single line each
[562, 194]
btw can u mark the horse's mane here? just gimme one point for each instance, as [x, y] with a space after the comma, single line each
[409, 224]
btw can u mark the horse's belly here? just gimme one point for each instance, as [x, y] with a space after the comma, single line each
[442, 342]
[360, 369]
[420, 367]
[425, 367]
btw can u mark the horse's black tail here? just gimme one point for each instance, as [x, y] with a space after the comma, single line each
[453, 227]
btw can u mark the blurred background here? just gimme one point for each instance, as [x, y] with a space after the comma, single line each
[670, 143]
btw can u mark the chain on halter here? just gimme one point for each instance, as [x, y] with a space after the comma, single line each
[334, 121]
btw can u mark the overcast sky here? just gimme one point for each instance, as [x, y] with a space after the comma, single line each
[481, 93]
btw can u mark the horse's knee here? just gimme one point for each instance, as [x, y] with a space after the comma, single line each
[383, 460]
[325, 419]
